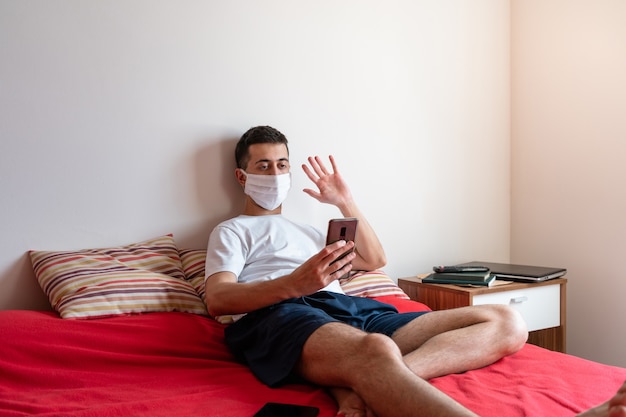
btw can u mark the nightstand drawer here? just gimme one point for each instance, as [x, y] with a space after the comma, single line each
[540, 306]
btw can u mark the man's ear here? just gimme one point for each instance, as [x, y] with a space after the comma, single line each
[240, 176]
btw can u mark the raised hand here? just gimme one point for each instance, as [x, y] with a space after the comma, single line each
[332, 189]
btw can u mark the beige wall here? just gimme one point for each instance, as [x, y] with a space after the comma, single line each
[568, 149]
[118, 120]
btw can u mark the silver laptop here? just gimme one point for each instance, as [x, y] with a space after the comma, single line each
[522, 273]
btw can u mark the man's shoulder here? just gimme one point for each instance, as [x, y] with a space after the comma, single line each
[265, 223]
[244, 219]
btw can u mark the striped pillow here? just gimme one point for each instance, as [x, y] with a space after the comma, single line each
[193, 261]
[371, 284]
[193, 265]
[137, 278]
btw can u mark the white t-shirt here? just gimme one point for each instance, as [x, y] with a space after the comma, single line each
[262, 248]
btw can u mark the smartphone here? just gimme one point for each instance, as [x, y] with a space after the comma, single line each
[286, 410]
[341, 229]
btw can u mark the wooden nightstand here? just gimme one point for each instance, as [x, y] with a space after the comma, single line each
[541, 304]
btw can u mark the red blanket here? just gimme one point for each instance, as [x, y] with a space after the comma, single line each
[176, 364]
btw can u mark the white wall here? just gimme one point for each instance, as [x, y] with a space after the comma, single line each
[118, 121]
[568, 171]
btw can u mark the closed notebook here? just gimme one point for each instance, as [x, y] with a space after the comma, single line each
[461, 276]
[485, 283]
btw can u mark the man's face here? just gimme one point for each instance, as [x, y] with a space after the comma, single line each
[268, 159]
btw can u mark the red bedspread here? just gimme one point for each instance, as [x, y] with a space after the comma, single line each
[176, 364]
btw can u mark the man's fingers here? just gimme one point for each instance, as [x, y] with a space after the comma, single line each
[333, 164]
[321, 166]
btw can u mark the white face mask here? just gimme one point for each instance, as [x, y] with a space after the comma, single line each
[268, 191]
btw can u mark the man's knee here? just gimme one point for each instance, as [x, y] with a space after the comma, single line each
[354, 355]
[512, 327]
[376, 350]
[376, 344]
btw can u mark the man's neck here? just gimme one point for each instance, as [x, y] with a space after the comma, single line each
[253, 209]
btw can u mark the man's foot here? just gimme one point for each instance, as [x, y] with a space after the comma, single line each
[615, 407]
[350, 404]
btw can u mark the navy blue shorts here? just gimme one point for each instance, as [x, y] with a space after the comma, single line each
[270, 340]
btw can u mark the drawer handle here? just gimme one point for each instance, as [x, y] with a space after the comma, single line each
[519, 300]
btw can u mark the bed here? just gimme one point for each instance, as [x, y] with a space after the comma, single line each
[170, 360]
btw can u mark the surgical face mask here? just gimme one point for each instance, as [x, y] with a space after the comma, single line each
[268, 191]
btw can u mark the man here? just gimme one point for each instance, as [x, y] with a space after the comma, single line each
[296, 321]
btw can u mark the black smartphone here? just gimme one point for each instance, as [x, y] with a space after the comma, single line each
[342, 229]
[287, 410]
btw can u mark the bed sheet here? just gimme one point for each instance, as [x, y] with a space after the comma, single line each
[157, 364]
[166, 364]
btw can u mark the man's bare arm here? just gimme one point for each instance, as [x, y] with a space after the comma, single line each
[224, 295]
[332, 189]
[369, 250]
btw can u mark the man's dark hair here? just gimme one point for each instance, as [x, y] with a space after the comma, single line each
[258, 134]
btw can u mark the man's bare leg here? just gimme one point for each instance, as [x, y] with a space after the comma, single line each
[349, 404]
[615, 407]
[452, 341]
[337, 355]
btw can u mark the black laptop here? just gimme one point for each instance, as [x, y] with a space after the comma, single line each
[522, 273]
